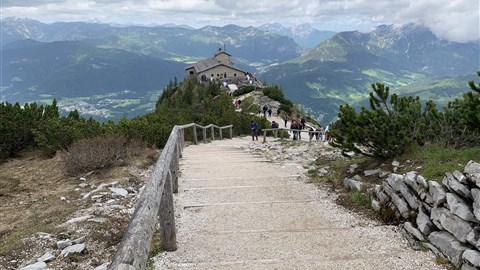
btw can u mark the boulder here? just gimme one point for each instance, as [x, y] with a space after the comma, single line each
[413, 231]
[459, 207]
[437, 192]
[48, 256]
[453, 184]
[422, 181]
[119, 191]
[465, 266]
[398, 201]
[426, 197]
[474, 237]
[396, 181]
[381, 196]
[352, 184]
[435, 215]
[376, 205]
[460, 177]
[372, 172]
[449, 246]
[476, 202]
[424, 223]
[414, 244]
[456, 226]
[352, 168]
[78, 248]
[411, 181]
[472, 257]
[472, 171]
[64, 243]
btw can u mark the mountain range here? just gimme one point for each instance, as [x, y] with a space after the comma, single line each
[116, 71]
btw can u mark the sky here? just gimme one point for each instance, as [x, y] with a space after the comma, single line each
[454, 20]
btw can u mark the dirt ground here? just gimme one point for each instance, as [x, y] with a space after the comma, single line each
[36, 196]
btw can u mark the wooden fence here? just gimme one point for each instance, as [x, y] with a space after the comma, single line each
[318, 135]
[156, 200]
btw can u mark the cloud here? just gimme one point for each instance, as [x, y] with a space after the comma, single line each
[455, 20]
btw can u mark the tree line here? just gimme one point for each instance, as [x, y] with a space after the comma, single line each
[37, 126]
[392, 123]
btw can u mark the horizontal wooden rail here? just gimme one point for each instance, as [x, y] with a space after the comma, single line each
[276, 130]
[156, 200]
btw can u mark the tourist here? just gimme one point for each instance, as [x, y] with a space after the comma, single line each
[254, 128]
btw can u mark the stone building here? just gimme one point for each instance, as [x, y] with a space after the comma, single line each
[217, 68]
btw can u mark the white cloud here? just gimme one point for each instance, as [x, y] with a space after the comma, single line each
[456, 20]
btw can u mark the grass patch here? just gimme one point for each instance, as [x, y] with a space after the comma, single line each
[361, 199]
[433, 161]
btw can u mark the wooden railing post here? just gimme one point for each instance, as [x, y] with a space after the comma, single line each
[212, 131]
[204, 133]
[195, 134]
[220, 130]
[168, 238]
[231, 132]
[264, 136]
[174, 166]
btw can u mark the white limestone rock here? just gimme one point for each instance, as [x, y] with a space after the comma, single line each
[449, 246]
[459, 207]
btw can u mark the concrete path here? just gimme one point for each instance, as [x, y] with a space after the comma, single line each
[236, 210]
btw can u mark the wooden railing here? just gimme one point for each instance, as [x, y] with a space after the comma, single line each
[276, 131]
[157, 200]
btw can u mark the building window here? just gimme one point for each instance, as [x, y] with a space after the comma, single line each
[234, 74]
[191, 72]
[225, 75]
[218, 75]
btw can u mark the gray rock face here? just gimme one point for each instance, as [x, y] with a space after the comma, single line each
[453, 184]
[376, 205]
[472, 257]
[396, 181]
[456, 226]
[352, 168]
[352, 184]
[398, 201]
[119, 191]
[449, 246]
[424, 223]
[459, 207]
[437, 192]
[476, 202]
[472, 171]
[468, 267]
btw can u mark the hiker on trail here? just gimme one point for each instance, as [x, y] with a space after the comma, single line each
[294, 128]
[299, 127]
[265, 109]
[274, 124]
[254, 128]
[303, 122]
[285, 119]
[269, 112]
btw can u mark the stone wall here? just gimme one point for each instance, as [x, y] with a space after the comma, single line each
[443, 217]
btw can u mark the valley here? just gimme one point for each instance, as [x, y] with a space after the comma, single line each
[109, 72]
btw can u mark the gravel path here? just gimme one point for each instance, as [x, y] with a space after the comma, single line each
[237, 210]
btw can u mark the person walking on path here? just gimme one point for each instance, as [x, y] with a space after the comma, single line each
[303, 123]
[286, 120]
[254, 128]
[269, 112]
[294, 128]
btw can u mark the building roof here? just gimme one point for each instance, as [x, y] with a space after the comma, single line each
[212, 62]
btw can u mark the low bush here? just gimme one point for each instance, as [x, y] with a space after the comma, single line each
[95, 153]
